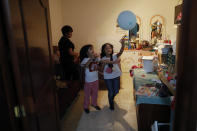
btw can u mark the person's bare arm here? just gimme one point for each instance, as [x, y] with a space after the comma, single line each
[87, 63]
[101, 69]
[71, 52]
[122, 41]
[109, 62]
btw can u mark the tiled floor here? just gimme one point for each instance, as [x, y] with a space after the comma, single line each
[122, 119]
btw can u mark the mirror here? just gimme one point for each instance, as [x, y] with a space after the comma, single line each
[139, 21]
[135, 34]
[157, 28]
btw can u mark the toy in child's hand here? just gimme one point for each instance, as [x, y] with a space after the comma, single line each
[122, 40]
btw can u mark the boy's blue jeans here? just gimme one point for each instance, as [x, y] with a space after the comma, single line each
[113, 86]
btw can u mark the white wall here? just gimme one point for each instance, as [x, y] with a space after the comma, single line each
[56, 19]
[94, 21]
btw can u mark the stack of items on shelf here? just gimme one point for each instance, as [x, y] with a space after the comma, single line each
[155, 89]
[147, 90]
[167, 77]
[132, 44]
[167, 64]
[170, 77]
[163, 50]
[171, 62]
[163, 68]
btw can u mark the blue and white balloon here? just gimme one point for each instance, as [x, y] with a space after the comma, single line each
[126, 20]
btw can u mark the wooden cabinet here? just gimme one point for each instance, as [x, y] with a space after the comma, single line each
[149, 108]
[148, 113]
[66, 90]
[67, 95]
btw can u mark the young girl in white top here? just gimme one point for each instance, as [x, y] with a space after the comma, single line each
[111, 72]
[89, 60]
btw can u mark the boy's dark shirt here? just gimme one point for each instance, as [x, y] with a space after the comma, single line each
[64, 45]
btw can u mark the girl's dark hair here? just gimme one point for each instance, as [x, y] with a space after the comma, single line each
[103, 54]
[84, 51]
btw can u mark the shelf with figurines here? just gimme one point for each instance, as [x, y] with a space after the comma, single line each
[136, 44]
[166, 70]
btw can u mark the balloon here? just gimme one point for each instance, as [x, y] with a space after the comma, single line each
[127, 20]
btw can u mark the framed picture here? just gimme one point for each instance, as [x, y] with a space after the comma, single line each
[157, 26]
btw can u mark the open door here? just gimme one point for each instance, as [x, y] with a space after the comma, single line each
[186, 90]
[8, 97]
[27, 50]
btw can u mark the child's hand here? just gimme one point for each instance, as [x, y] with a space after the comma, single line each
[105, 61]
[101, 73]
[76, 60]
[96, 55]
[76, 54]
[117, 61]
[122, 40]
[111, 62]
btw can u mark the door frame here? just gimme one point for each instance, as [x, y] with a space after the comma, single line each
[186, 90]
[10, 72]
